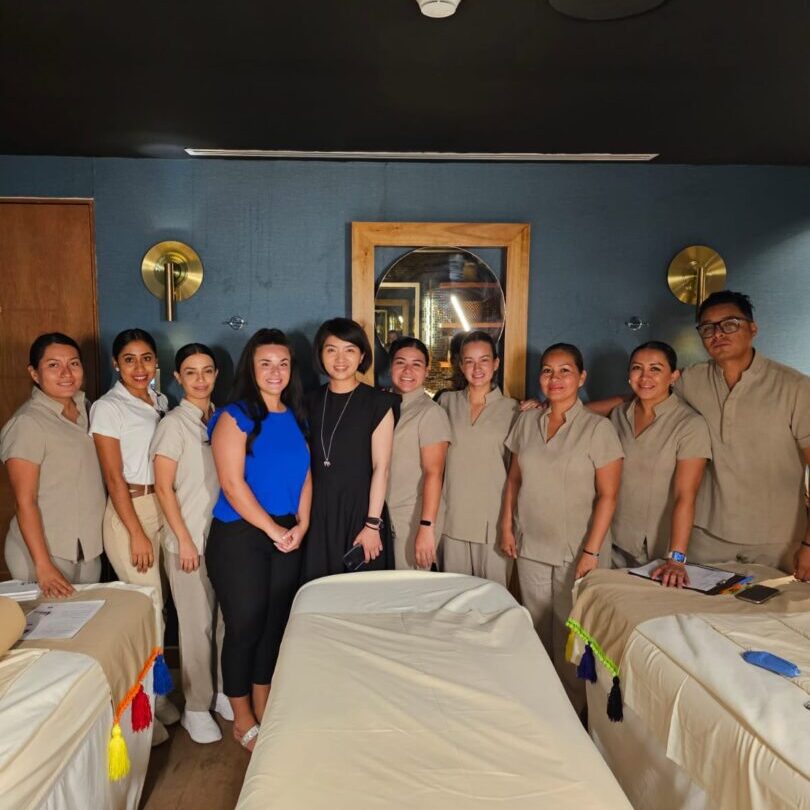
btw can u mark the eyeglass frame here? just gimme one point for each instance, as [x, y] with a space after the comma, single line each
[715, 325]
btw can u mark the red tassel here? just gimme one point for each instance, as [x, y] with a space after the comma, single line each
[141, 711]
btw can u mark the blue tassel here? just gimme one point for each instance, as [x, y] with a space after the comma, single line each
[615, 710]
[587, 665]
[161, 677]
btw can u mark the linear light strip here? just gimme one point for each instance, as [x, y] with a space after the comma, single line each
[585, 157]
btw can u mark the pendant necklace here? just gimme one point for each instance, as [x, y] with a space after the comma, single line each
[328, 451]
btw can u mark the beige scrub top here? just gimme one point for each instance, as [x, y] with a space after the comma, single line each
[183, 437]
[753, 491]
[477, 461]
[421, 423]
[647, 497]
[70, 494]
[558, 488]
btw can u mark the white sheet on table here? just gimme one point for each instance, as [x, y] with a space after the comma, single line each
[44, 714]
[739, 731]
[409, 690]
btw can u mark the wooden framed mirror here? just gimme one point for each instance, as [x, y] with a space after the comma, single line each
[455, 237]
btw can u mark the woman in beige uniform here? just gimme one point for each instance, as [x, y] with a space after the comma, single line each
[55, 534]
[421, 438]
[187, 488]
[563, 481]
[475, 474]
[666, 446]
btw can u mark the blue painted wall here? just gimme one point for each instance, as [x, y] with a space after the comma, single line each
[275, 241]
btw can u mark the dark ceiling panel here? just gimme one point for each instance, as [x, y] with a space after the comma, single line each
[700, 81]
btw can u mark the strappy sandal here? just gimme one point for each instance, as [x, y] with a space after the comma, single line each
[247, 738]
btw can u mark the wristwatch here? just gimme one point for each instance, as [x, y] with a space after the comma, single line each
[677, 556]
[425, 522]
[374, 522]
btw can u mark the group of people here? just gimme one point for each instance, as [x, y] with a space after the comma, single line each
[248, 501]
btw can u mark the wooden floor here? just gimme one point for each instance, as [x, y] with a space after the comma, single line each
[183, 774]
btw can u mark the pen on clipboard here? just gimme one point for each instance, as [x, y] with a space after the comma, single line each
[737, 586]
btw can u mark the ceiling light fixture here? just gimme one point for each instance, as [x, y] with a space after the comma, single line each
[515, 157]
[438, 8]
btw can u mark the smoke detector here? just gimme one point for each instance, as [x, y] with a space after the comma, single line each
[438, 8]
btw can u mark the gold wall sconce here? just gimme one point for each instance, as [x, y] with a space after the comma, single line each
[172, 271]
[695, 273]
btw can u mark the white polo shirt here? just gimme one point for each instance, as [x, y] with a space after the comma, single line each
[120, 415]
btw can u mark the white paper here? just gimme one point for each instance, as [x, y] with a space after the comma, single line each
[19, 591]
[59, 619]
[701, 577]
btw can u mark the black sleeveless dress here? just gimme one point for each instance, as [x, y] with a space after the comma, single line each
[340, 489]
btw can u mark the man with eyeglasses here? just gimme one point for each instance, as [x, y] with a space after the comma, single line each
[752, 505]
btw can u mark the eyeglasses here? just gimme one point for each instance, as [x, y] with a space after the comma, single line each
[728, 326]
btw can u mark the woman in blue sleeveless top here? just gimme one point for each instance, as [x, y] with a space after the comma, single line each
[262, 514]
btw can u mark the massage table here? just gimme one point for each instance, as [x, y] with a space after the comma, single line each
[701, 727]
[399, 689]
[60, 701]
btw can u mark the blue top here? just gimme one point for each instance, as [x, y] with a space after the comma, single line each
[276, 468]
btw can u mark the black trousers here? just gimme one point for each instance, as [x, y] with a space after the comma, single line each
[255, 584]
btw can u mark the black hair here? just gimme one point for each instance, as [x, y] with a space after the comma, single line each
[457, 378]
[343, 329]
[737, 299]
[659, 346]
[245, 392]
[130, 335]
[37, 350]
[189, 350]
[478, 336]
[408, 343]
[568, 348]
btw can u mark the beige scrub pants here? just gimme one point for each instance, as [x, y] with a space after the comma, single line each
[21, 565]
[547, 593]
[707, 549]
[116, 542]
[475, 559]
[201, 630]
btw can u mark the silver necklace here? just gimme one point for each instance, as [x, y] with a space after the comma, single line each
[328, 451]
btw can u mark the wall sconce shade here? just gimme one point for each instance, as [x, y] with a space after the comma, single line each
[172, 271]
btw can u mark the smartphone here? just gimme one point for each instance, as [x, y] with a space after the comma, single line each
[757, 594]
[355, 558]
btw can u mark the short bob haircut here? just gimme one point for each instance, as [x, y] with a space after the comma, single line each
[408, 342]
[343, 329]
[737, 299]
[658, 346]
[566, 348]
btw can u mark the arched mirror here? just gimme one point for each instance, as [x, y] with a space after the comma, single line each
[434, 293]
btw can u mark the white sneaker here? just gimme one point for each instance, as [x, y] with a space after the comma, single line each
[222, 706]
[166, 711]
[159, 733]
[201, 727]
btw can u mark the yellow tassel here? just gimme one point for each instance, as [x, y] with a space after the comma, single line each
[117, 756]
[569, 646]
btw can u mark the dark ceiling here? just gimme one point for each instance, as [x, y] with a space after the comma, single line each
[699, 81]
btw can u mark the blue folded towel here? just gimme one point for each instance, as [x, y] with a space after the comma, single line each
[771, 662]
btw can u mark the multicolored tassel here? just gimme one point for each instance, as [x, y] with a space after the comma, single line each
[161, 677]
[117, 756]
[569, 646]
[615, 710]
[587, 665]
[141, 714]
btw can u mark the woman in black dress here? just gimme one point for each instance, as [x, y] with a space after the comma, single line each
[351, 436]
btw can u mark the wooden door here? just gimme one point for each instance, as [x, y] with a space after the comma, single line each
[47, 284]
